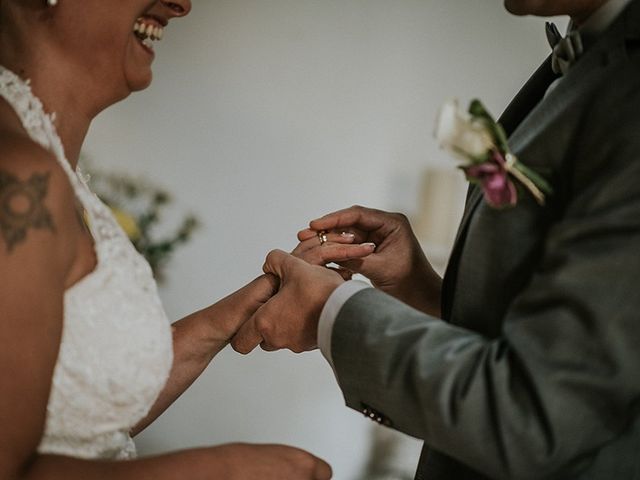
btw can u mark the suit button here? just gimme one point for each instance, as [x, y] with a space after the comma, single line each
[375, 416]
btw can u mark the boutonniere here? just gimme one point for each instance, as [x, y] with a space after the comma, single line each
[481, 143]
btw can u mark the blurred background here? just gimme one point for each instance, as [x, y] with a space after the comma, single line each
[267, 113]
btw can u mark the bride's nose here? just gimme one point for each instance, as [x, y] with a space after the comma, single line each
[177, 8]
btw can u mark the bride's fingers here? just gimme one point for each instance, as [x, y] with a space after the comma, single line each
[306, 249]
[320, 237]
[331, 252]
[307, 234]
[340, 235]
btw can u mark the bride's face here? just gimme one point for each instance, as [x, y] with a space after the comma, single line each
[148, 27]
[112, 40]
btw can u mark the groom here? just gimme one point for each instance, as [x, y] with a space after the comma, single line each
[524, 362]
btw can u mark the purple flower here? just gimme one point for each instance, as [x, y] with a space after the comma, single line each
[499, 190]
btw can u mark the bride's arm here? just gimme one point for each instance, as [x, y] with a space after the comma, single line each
[226, 462]
[202, 335]
[38, 231]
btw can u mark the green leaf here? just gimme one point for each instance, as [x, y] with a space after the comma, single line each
[480, 159]
[535, 177]
[478, 110]
[501, 137]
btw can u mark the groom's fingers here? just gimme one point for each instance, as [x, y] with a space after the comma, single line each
[366, 219]
[323, 471]
[337, 253]
[247, 338]
[268, 321]
[267, 348]
[344, 253]
[281, 328]
[277, 262]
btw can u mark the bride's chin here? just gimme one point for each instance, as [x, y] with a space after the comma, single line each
[138, 75]
[140, 81]
[138, 65]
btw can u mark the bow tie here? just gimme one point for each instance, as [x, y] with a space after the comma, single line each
[566, 50]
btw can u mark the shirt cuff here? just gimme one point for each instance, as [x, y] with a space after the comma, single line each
[330, 313]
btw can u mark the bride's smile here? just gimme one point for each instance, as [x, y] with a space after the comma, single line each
[149, 29]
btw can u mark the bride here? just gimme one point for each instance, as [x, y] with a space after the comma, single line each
[87, 355]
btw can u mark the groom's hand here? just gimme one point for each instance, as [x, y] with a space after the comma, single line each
[290, 318]
[398, 265]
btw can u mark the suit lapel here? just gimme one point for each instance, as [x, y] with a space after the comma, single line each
[526, 99]
[579, 80]
[527, 117]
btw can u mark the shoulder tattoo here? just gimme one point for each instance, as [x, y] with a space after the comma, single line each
[22, 207]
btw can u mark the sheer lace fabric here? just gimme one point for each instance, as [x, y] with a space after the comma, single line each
[116, 349]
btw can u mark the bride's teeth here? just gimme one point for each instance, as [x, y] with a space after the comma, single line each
[146, 31]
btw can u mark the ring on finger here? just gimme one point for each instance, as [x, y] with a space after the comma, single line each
[322, 236]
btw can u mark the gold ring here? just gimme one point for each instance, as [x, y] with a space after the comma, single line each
[322, 236]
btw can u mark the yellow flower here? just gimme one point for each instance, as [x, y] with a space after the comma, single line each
[127, 222]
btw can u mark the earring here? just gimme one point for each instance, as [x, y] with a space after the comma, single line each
[52, 3]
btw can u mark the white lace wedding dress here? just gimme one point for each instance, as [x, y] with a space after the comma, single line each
[116, 349]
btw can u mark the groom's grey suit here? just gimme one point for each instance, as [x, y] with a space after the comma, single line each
[535, 372]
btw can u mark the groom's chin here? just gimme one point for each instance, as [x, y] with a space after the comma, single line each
[541, 8]
[520, 7]
[512, 7]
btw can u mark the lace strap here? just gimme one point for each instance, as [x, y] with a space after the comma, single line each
[40, 126]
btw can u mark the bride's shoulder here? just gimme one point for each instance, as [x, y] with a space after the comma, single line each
[38, 216]
[24, 161]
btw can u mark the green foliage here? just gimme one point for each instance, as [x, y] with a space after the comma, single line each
[141, 209]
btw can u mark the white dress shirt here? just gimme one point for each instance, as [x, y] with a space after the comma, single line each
[598, 22]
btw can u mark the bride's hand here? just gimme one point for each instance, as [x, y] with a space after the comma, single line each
[271, 462]
[335, 246]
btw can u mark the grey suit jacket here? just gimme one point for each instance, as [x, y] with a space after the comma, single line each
[535, 372]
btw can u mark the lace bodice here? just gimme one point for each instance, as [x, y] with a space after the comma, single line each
[116, 349]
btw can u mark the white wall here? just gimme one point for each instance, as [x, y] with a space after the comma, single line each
[267, 113]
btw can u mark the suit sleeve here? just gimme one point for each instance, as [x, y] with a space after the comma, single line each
[562, 380]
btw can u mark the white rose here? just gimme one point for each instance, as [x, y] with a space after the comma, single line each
[457, 131]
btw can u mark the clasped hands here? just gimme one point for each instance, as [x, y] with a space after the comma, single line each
[379, 245]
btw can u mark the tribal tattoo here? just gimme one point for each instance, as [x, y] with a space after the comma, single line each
[22, 207]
